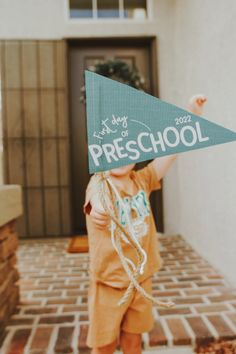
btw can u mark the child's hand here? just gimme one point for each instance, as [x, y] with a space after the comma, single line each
[99, 216]
[196, 104]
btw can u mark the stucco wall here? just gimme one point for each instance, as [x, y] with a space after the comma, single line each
[37, 19]
[200, 189]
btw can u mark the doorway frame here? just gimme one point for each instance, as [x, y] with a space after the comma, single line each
[151, 43]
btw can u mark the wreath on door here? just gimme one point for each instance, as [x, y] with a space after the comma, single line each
[116, 70]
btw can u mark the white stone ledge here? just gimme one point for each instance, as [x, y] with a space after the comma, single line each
[10, 202]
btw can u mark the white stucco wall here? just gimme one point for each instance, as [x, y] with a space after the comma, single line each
[200, 189]
[39, 19]
[196, 53]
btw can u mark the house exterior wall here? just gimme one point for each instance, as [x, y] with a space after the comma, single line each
[49, 19]
[196, 53]
[200, 190]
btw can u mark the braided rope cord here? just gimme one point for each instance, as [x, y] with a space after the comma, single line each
[133, 274]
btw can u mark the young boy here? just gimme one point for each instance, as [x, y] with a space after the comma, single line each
[108, 279]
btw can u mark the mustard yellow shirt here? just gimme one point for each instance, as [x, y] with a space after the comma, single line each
[105, 265]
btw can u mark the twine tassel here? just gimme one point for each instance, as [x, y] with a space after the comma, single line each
[116, 236]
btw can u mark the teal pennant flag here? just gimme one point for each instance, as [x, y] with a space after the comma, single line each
[125, 125]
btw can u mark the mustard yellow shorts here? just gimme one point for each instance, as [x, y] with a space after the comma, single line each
[107, 319]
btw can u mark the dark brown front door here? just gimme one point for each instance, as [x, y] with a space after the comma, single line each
[81, 57]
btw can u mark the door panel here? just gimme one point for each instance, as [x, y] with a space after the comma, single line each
[35, 133]
[81, 57]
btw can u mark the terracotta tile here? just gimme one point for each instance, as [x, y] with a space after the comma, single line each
[83, 318]
[221, 298]
[19, 341]
[182, 285]
[201, 331]
[166, 293]
[40, 310]
[61, 301]
[186, 278]
[211, 308]
[41, 338]
[232, 317]
[56, 319]
[64, 340]
[157, 335]
[82, 337]
[199, 291]
[221, 327]
[20, 321]
[188, 300]
[213, 283]
[180, 335]
[74, 308]
[175, 311]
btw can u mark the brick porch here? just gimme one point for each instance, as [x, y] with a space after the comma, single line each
[52, 315]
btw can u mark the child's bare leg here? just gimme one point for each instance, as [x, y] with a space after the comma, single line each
[106, 349]
[131, 343]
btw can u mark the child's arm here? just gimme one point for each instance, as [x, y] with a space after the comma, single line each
[162, 164]
[99, 216]
[93, 206]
